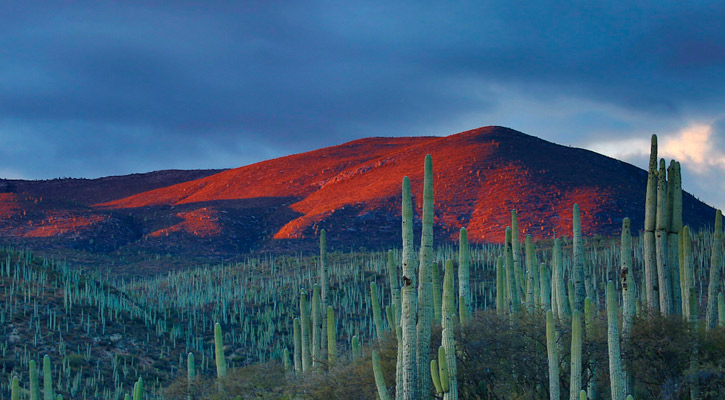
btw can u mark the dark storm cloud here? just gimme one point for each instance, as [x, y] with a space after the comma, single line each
[124, 87]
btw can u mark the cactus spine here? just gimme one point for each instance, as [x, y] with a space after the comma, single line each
[650, 216]
[221, 363]
[425, 282]
[553, 356]
[464, 290]
[616, 379]
[579, 288]
[715, 264]
[408, 384]
[663, 271]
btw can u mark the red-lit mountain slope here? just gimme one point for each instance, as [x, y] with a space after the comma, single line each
[353, 190]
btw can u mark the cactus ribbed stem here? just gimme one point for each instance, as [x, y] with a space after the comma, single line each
[436, 293]
[34, 386]
[716, 260]
[516, 255]
[435, 374]
[221, 363]
[530, 273]
[674, 220]
[663, 270]
[377, 315]
[616, 378]
[425, 282]
[394, 288]
[545, 291]
[562, 301]
[627, 277]
[501, 304]
[578, 267]
[650, 219]
[305, 330]
[464, 262]
[552, 351]
[449, 304]
[15, 389]
[324, 288]
[48, 393]
[379, 379]
[408, 384]
[297, 339]
[331, 337]
[316, 325]
[575, 382]
[720, 309]
[589, 333]
[511, 285]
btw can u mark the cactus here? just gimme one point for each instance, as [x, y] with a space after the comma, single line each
[377, 314]
[34, 386]
[720, 309]
[379, 379]
[531, 273]
[436, 293]
[511, 285]
[501, 303]
[435, 374]
[562, 301]
[15, 391]
[578, 267]
[138, 389]
[332, 337]
[663, 270]
[190, 373]
[285, 361]
[650, 216]
[582, 395]
[305, 331]
[627, 277]
[516, 254]
[316, 324]
[297, 339]
[551, 348]
[545, 291]
[674, 227]
[575, 381]
[464, 288]
[616, 378]
[448, 343]
[323, 289]
[221, 362]
[687, 275]
[356, 351]
[425, 283]
[589, 333]
[394, 288]
[716, 259]
[408, 384]
[48, 393]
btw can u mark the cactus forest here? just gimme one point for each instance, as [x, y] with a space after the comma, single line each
[639, 316]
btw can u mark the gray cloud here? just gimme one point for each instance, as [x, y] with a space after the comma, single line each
[102, 88]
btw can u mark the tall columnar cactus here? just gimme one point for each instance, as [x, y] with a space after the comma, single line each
[285, 361]
[663, 270]
[562, 301]
[720, 309]
[191, 373]
[589, 333]
[716, 261]
[317, 319]
[545, 290]
[516, 254]
[394, 288]
[674, 227]
[464, 289]
[331, 337]
[297, 339]
[379, 379]
[408, 384]
[501, 302]
[511, 285]
[138, 389]
[221, 362]
[575, 382]
[425, 282]
[687, 273]
[616, 374]
[34, 386]
[650, 219]
[48, 393]
[15, 391]
[579, 288]
[377, 315]
[627, 277]
[552, 351]
[531, 273]
[305, 330]
[324, 287]
[449, 304]
[437, 310]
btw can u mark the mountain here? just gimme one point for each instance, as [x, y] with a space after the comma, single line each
[352, 190]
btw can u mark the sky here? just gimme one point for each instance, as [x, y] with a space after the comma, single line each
[97, 88]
